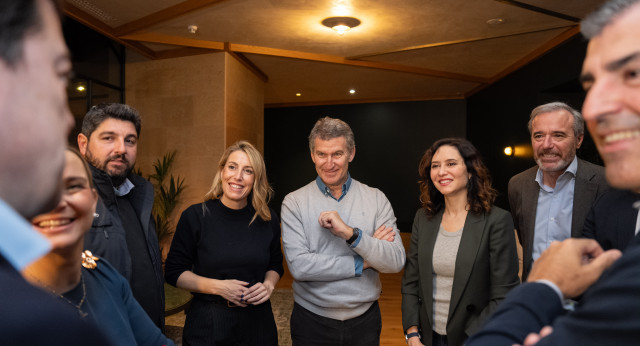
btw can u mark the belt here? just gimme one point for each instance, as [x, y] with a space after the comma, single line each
[214, 298]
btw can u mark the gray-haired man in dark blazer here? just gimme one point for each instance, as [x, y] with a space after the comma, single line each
[550, 201]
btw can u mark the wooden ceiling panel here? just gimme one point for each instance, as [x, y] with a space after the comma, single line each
[483, 58]
[332, 82]
[119, 12]
[577, 9]
[384, 27]
[403, 50]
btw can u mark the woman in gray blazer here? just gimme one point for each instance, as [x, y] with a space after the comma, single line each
[462, 260]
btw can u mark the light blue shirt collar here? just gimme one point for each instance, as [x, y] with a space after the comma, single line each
[571, 169]
[554, 211]
[327, 192]
[20, 244]
[124, 188]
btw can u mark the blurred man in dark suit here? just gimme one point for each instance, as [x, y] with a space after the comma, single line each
[35, 120]
[608, 313]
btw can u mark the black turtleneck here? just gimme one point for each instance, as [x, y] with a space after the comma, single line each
[219, 243]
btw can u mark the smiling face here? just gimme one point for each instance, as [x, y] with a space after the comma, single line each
[332, 158]
[448, 171]
[66, 225]
[112, 148]
[553, 140]
[237, 179]
[611, 77]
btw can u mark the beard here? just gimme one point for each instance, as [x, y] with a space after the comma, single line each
[117, 175]
[560, 165]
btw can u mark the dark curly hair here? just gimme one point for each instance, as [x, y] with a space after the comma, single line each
[480, 193]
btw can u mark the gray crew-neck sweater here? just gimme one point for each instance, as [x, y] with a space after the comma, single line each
[323, 265]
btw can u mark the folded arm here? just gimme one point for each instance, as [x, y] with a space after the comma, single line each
[382, 255]
[304, 263]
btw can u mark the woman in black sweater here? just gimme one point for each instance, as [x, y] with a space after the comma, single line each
[227, 252]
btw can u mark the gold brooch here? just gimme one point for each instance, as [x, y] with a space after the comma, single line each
[89, 260]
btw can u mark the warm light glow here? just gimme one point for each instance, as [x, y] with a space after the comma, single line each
[341, 29]
[341, 24]
[341, 8]
[80, 88]
[298, 94]
[508, 151]
[352, 91]
[521, 151]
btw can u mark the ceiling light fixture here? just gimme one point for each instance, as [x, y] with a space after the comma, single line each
[352, 91]
[298, 94]
[341, 24]
[80, 88]
[192, 28]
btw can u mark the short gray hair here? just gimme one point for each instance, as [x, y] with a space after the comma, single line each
[595, 22]
[328, 128]
[578, 121]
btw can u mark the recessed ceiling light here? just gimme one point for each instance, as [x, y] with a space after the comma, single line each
[495, 21]
[298, 94]
[341, 24]
[352, 91]
[192, 29]
[80, 88]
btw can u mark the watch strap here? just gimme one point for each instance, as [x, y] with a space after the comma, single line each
[356, 233]
[411, 335]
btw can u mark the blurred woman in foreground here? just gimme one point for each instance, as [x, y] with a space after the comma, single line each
[85, 282]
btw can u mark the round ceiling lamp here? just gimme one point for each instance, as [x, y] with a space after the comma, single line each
[341, 24]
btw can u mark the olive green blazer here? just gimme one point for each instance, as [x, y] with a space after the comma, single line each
[486, 269]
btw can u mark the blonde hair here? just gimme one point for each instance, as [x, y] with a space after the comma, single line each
[261, 191]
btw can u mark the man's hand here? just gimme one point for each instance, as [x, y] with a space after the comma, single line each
[573, 265]
[383, 233]
[332, 221]
[533, 338]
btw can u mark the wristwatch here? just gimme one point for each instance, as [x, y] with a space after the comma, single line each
[356, 233]
[411, 335]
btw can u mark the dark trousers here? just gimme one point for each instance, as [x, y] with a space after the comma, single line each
[309, 329]
[215, 323]
[438, 340]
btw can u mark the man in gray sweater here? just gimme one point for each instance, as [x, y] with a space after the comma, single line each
[338, 234]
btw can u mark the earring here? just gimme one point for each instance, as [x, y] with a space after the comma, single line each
[96, 215]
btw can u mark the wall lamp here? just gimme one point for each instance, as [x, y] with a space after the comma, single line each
[522, 151]
[509, 151]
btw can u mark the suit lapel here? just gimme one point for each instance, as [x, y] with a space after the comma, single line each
[427, 242]
[467, 252]
[530, 194]
[584, 193]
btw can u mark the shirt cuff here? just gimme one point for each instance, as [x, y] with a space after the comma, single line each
[359, 262]
[555, 288]
[355, 242]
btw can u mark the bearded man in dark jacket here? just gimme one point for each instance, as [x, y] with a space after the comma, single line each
[123, 231]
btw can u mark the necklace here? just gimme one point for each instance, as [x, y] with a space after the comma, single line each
[77, 306]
